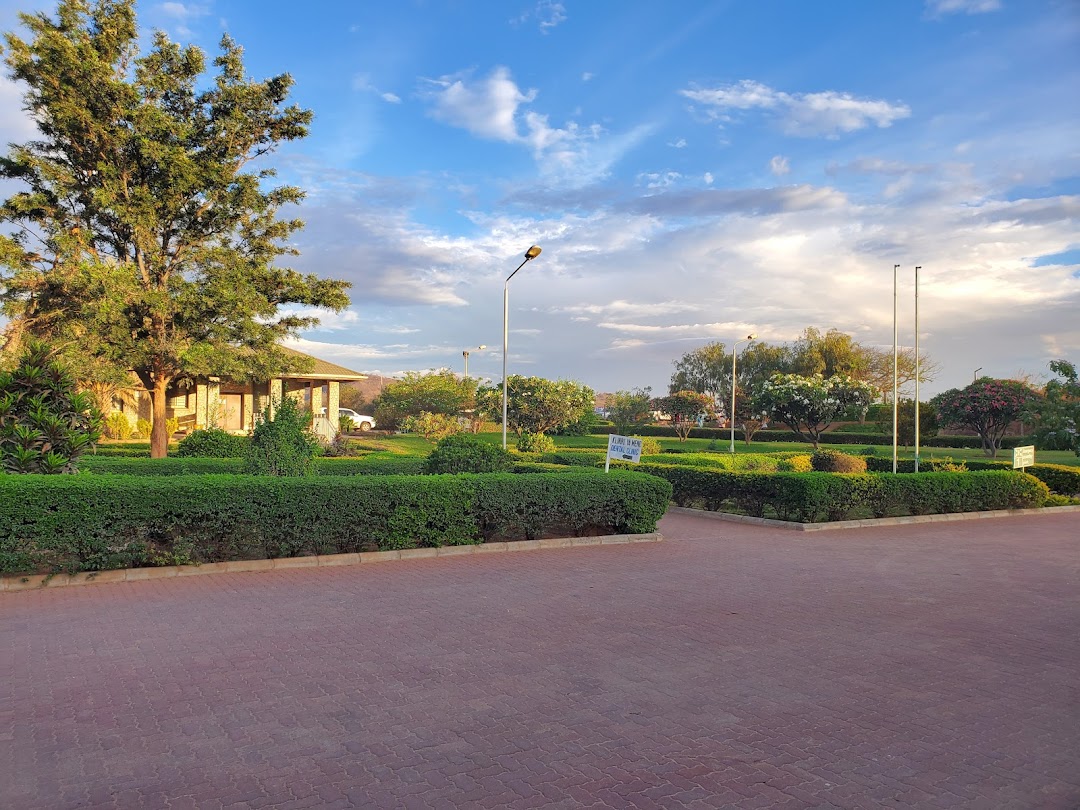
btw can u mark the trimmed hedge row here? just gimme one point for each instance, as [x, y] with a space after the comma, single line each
[1059, 478]
[815, 497]
[98, 522]
[369, 465]
[971, 442]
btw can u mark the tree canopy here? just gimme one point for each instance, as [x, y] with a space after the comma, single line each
[433, 392]
[986, 406]
[808, 405]
[147, 231]
[1058, 412]
[535, 404]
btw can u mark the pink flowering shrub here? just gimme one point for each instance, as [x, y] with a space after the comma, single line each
[987, 406]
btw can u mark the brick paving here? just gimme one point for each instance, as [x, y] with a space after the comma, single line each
[731, 666]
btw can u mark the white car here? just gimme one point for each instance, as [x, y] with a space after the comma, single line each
[360, 422]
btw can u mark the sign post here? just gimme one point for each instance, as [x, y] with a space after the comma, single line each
[622, 448]
[1023, 456]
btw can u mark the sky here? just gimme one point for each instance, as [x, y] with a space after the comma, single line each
[693, 171]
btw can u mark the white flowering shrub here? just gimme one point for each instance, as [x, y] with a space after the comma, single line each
[808, 405]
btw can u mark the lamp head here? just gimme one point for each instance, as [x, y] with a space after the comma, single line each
[751, 337]
[481, 346]
[532, 252]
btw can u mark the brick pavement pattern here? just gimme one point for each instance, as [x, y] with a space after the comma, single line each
[731, 666]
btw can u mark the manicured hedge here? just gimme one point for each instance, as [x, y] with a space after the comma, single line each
[815, 497]
[1059, 478]
[97, 522]
[369, 465]
[880, 439]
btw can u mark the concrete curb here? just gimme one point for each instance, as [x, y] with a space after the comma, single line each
[17, 583]
[870, 522]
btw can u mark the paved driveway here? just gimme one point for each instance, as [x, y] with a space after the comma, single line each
[729, 666]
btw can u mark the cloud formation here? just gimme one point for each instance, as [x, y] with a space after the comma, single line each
[828, 113]
[939, 8]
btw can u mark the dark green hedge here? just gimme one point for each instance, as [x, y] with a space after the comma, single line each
[97, 522]
[815, 497]
[369, 465]
[1059, 478]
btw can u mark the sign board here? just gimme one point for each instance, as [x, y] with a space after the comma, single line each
[622, 448]
[1023, 456]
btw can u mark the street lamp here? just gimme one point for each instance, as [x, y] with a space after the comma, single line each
[530, 254]
[731, 416]
[975, 376]
[917, 269]
[895, 379]
[465, 354]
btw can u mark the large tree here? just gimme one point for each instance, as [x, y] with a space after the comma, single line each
[1058, 412]
[536, 404]
[148, 213]
[629, 409]
[434, 392]
[808, 405]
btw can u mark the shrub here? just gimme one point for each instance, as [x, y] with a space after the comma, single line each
[1059, 478]
[797, 464]
[816, 496]
[535, 443]
[143, 428]
[172, 425]
[212, 443]
[432, 426]
[464, 453]
[649, 446]
[836, 462]
[45, 425]
[340, 447]
[346, 424]
[281, 444]
[118, 426]
[99, 522]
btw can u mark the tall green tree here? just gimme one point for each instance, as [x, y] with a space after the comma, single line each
[433, 392]
[987, 406]
[1058, 412]
[629, 409]
[148, 212]
[808, 405]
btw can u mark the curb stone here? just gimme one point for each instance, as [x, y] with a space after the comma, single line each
[869, 522]
[26, 583]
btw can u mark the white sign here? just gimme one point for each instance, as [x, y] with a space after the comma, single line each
[622, 448]
[1023, 456]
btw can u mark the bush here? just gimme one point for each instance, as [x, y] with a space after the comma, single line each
[464, 453]
[649, 446]
[799, 464]
[815, 496]
[172, 425]
[143, 428]
[99, 522]
[212, 443]
[834, 461]
[282, 444]
[1059, 478]
[341, 447]
[535, 443]
[118, 426]
[45, 424]
[432, 426]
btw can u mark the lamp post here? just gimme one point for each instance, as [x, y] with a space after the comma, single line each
[465, 354]
[731, 416]
[917, 269]
[530, 254]
[975, 376]
[895, 404]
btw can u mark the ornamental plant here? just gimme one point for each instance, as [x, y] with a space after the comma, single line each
[684, 407]
[1058, 412]
[809, 405]
[432, 426]
[536, 404]
[282, 443]
[45, 425]
[987, 406]
[463, 453]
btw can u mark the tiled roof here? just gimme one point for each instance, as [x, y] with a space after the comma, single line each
[322, 369]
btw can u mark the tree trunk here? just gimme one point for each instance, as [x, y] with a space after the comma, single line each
[159, 435]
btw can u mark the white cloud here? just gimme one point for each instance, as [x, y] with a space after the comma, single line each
[658, 179]
[586, 76]
[939, 8]
[708, 178]
[489, 108]
[678, 144]
[827, 113]
[184, 14]
[779, 165]
[547, 14]
[390, 97]
[16, 125]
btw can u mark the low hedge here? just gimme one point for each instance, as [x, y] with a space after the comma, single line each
[1062, 479]
[98, 522]
[816, 497]
[368, 465]
[769, 435]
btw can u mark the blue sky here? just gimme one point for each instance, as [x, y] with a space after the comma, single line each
[694, 171]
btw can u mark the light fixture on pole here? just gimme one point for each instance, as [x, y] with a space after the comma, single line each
[530, 254]
[895, 267]
[917, 269]
[731, 416]
[465, 354]
[975, 376]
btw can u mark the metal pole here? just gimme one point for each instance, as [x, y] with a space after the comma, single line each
[731, 416]
[466, 355]
[506, 324]
[917, 269]
[895, 404]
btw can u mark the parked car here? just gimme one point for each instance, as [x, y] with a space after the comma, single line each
[360, 422]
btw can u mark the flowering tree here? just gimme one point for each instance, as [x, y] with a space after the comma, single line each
[987, 406]
[808, 405]
[685, 407]
[534, 404]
